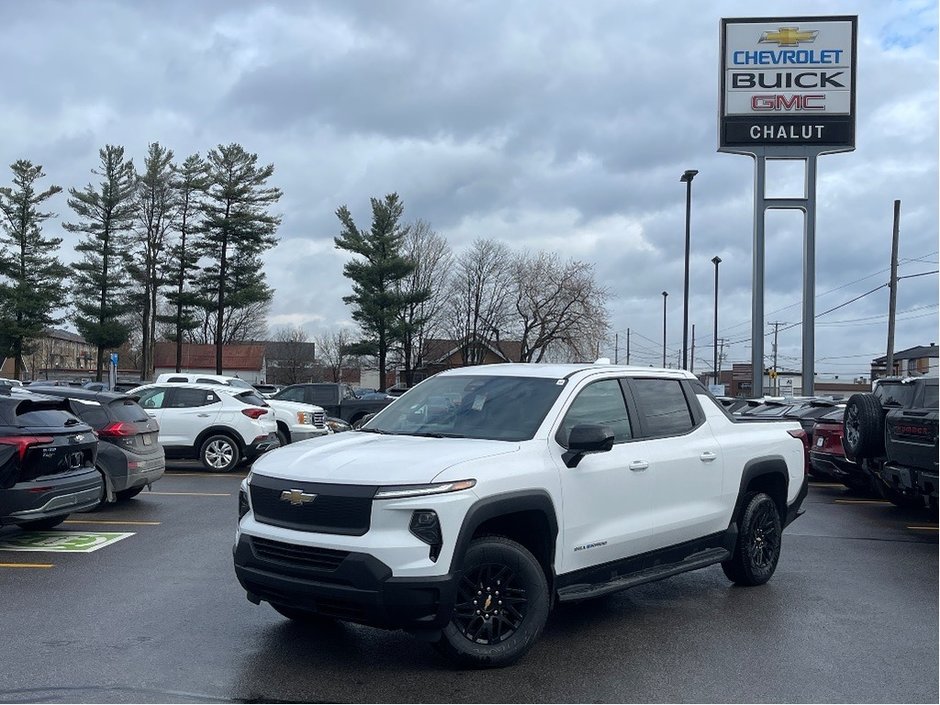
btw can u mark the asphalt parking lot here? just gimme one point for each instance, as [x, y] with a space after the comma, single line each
[157, 616]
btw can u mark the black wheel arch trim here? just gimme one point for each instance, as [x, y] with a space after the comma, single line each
[502, 505]
[759, 467]
[220, 431]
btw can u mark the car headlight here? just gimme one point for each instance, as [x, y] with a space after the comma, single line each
[405, 491]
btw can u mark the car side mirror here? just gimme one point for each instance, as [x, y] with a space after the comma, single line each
[587, 438]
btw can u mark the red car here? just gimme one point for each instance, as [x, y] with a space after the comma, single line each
[827, 456]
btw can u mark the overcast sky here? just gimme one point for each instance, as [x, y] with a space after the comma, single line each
[548, 125]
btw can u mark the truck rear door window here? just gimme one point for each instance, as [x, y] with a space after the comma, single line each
[662, 407]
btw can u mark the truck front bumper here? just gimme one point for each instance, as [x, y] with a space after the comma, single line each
[349, 586]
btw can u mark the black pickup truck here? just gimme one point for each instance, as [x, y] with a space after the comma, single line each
[892, 432]
[338, 400]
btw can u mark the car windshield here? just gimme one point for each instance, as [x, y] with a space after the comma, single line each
[240, 383]
[470, 406]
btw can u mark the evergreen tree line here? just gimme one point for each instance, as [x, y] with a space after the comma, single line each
[173, 251]
[408, 287]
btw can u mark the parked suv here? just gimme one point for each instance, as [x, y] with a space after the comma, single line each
[130, 457]
[221, 426]
[47, 461]
[466, 509]
[892, 432]
[295, 421]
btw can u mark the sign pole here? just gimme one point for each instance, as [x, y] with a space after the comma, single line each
[757, 278]
[809, 279]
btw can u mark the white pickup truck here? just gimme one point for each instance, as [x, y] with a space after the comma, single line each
[468, 507]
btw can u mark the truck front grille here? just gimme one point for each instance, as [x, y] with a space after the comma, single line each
[319, 419]
[317, 507]
[293, 554]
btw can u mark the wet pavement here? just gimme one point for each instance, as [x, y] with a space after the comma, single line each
[850, 616]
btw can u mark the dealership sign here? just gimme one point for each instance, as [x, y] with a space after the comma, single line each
[788, 82]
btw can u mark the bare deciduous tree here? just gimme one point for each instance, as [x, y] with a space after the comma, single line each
[478, 297]
[293, 357]
[331, 352]
[559, 310]
[421, 318]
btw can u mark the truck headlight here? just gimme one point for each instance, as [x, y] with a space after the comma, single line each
[305, 417]
[405, 491]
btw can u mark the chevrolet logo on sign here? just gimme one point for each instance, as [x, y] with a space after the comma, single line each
[788, 37]
[297, 497]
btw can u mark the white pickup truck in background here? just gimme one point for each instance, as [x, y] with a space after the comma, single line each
[484, 495]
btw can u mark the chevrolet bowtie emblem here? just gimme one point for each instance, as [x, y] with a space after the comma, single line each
[788, 37]
[297, 497]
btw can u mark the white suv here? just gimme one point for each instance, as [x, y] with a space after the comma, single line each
[221, 426]
[296, 421]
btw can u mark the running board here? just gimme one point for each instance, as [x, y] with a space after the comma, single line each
[585, 591]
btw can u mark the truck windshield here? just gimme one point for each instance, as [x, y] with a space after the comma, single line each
[470, 406]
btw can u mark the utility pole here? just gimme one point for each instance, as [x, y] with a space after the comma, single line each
[692, 354]
[628, 346]
[893, 296]
[776, 325]
[616, 346]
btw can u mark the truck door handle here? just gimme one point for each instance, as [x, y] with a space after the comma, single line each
[638, 465]
[153, 416]
[203, 416]
[708, 456]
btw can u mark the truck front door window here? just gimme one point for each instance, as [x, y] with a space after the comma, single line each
[598, 403]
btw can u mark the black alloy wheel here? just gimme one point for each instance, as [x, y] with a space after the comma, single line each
[491, 604]
[500, 607]
[758, 547]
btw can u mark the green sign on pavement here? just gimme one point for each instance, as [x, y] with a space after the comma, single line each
[61, 541]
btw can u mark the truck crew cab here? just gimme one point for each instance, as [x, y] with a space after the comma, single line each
[485, 495]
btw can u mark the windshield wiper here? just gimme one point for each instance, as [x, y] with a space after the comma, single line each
[434, 434]
[381, 431]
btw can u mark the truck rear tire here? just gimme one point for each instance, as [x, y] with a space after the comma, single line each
[758, 547]
[864, 427]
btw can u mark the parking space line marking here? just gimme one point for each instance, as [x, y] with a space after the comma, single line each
[109, 521]
[203, 474]
[862, 501]
[924, 528]
[198, 494]
[26, 565]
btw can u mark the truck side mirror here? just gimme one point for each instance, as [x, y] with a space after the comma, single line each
[587, 438]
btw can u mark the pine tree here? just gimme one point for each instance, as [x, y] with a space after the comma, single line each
[106, 216]
[157, 204]
[378, 299]
[237, 229]
[32, 289]
[182, 268]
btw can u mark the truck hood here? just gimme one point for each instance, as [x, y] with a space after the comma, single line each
[292, 407]
[372, 459]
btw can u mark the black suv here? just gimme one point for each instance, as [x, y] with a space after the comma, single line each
[47, 461]
[129, 456]
[892, 432]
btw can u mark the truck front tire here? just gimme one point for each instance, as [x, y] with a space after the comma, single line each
[501, 605]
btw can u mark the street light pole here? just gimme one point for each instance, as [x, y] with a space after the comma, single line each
[665, 294]
[686, 177]
[716, 260]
